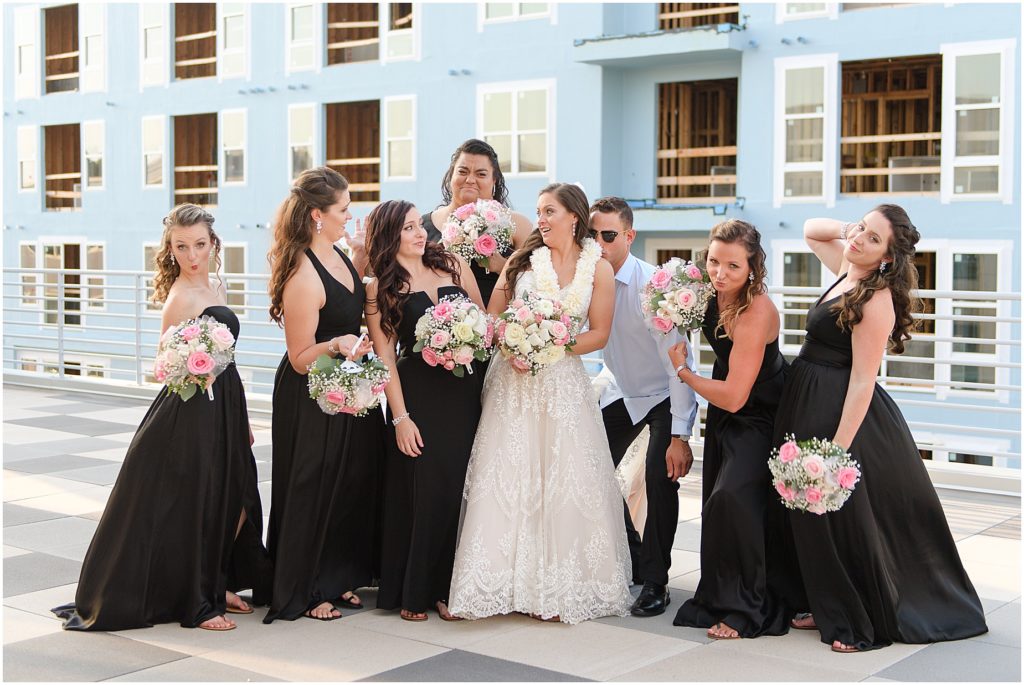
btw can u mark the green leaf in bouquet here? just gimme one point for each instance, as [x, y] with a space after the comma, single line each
[481, 355]
[459, 371]
[187, 392]
[324, 362]
[418, 347]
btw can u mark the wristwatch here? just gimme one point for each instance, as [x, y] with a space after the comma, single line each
[684, 438]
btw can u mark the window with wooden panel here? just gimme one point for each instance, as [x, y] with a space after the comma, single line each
[353, 146]
[697, 141]
[401, 39]
[891, 126]
[195, 159]
[688, 15]
[93, 142]
[922, 344]
[28, 145]
[353, 32]
[26, 52]
[61, 56]
[195, 40]
[62, 167]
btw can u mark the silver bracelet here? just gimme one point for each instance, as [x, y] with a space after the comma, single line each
[843, 230]
[331, 349]
[398, 419]
[680, 368]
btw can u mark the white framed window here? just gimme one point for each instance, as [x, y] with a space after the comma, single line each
[149, 251]
[302, 22]
[92, 19]
[400, 137]
[28, 154]
[497, 12]
[82, 293]
[400, 27]
[515, 119]
[233, 144]
[28, 254]
[38, 361]
[26, 52]
[95, 260]
[154, 134]
[301, 139]
[789, 11]
[233, 39]
[977, 121]
[93, 143]
[154, 19]
[233, 260]
[965, 449]
[805, 129]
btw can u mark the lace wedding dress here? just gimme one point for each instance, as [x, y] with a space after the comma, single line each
[542, 529]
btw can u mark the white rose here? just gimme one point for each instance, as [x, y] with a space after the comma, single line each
[524, 348]
[514, 334]
[463, 331]
[555, 353]
[544, 334]
[535, 340]
[480, 326]
[545, 307]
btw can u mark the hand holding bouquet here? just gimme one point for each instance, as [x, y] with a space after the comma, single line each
[347, 387]
[813, 475]
[535, 332]
[478, 230]
[453, 333]
[192, 354]
[676, 296]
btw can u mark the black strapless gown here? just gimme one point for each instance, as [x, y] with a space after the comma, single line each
[884, 568]
[322, 516]
[740, 556]
[164, 544]
[485, 279]
[423, 495]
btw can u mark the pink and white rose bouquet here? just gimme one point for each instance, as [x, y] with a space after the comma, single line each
[534, 332]
[192, 354]
[676, 296]
[813, 475]
[346, 387]
[478, 230]
[453, 334]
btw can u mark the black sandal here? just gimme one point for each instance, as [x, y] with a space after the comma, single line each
[348, 602]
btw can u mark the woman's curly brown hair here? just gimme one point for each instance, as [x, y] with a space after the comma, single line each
[900, 277]
[166, 267]
[317, 188]
[383, 239]
[738, 231]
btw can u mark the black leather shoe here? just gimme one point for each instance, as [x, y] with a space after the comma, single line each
[652, 600]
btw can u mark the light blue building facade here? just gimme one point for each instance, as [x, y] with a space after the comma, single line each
[769, 112]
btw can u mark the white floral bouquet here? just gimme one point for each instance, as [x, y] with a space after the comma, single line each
[347, 387]
[192, 354]
[676, 296]
[813, 475]
[534, 332]
[477, 230]
[453, 333]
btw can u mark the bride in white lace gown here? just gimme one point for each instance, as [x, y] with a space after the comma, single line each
[542, 529]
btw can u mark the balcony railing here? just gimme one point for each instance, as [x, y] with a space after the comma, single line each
[96, 330]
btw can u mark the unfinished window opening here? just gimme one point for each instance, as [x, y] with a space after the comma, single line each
[922, 344]
[63, 167]
[61, 31]
[195, 40]
[353, 32]
[697, 141]
[353, 146]
[689, 15]
[195, 159]
[62, 256]
[891, 126]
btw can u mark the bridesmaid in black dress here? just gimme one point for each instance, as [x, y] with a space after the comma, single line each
[433, 413]
[324, 467]
[474, 174]
[162, 549]
[738, 551]
[884, 568]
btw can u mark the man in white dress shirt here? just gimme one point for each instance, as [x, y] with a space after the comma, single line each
[645, 392]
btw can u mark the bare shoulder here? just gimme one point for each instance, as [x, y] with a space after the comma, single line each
[522, 222]
[603, 270]
[759, 321]
[304, 283]
[179, 303]
[880, 301]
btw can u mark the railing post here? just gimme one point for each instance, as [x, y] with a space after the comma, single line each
[60, 323]
[137, 317]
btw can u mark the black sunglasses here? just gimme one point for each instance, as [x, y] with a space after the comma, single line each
[606, 236]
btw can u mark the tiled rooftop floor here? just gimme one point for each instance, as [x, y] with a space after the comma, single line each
[62, 452]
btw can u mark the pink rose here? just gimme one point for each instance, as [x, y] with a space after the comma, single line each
[168, 334]
[818, 508]
[814, 466]
[491, 216]
[190, 332]
[222, 338]
[685, 297]
[439, 339]
[693, 272]
[335, 397]
[784, 492]
[524, 314]
[847, 477]
[559, 331]
[489, 335]
[520, 363]
[485, 245]
[447, 355]
[662, 324]
[449, 232]
[449, 365]
[465, 211]
[200, 363]
[812, 495]
[788, 452]
[443, 311]
[464, 355]
[566, 319]
[516, 303]
[159, 372]
[429, 356]
[661, 278]
[348, 410]
[378, 389]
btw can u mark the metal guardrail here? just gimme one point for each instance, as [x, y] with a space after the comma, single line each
[96, 329]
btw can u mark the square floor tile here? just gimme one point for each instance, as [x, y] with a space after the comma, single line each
[21, 625]
[687, 536]
[15, 551]
[73, 424]
[46, 536]
[41, 601]
[37, 571]
[1003, 626]
[465, 667]
[662, 625]
[22, 486]
[16, 515]
[97, 475]
[193, 669]
[80, 501]
[57, 462]
[19, 435]
[970, 660]
[452, 634]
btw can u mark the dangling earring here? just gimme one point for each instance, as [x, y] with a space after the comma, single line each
[319, 226]
[171, 257]
[750, 277]
[883, 266]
